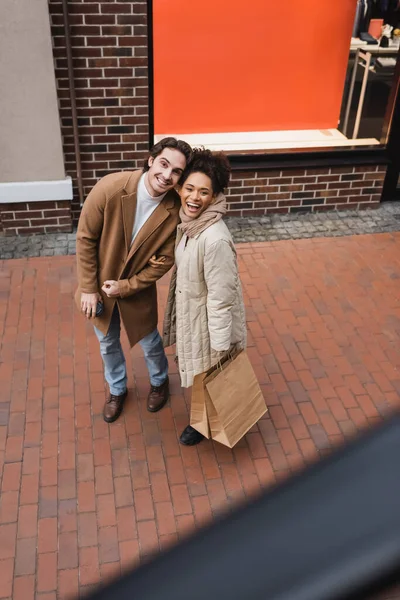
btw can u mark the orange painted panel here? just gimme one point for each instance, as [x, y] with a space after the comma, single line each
[255, 65]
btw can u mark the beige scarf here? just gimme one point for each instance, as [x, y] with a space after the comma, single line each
[194, 226]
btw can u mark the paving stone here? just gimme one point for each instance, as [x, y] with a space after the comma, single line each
[60, 251]
[49, 241]
[109, 497]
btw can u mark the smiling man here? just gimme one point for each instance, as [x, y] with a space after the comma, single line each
[127, 218]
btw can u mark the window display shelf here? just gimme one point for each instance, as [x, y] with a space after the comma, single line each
[373, 49]
[265, 140]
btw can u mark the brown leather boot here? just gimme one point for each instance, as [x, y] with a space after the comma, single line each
[113, 407]
[158, 396]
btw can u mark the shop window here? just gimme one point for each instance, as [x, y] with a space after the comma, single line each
[256, 75]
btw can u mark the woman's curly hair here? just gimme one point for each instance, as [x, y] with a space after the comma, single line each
[215, 166]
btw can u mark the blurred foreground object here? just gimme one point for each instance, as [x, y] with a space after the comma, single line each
[331, 532]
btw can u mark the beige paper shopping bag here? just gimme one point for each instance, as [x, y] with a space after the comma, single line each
[198, 410]
[234, 400]
[198, 407]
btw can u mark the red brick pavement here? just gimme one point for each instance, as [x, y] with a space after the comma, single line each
[81, 500]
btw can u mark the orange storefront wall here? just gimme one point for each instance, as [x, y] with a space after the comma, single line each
[254, 65]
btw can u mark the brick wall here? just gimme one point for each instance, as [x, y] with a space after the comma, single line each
[250, 193]
[109, 40]
[304, 190]
[109, 44]
[36, 217]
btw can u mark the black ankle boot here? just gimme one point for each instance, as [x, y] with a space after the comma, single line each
[190, 437]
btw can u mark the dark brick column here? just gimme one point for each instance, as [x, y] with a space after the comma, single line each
[109, 41]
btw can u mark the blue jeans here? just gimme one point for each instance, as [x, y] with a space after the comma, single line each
[114, 359]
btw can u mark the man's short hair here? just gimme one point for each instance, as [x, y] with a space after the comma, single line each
[169, 142]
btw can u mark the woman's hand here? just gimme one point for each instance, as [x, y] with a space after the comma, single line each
[157, 262]
[221, 354]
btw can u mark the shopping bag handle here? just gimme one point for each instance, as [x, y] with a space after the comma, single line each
[227, 355]
[230, 354]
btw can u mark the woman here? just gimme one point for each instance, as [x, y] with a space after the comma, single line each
[205, 312]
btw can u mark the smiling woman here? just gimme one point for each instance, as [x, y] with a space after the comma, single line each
[196, 194]
[205, 310]
[202, 181]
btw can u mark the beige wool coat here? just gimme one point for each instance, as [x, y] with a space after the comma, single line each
[104, 251]
[205, 311]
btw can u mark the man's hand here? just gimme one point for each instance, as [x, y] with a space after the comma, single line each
[111, 288]
[89, 303]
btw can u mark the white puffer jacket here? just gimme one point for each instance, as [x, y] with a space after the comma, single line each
[205, 310]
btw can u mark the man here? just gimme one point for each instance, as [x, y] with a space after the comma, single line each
[127, 218]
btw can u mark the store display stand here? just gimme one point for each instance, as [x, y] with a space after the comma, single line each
[362, 59]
